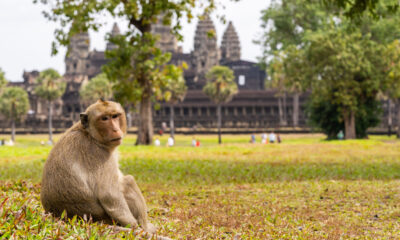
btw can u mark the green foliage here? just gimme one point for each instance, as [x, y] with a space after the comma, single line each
[175, 86]
[14, 102]
[325, 116]
[49, 85]
[285, 23]
[355, 9]
[221, 85]
[149, 73]
[98, 87]
[341, 62]
[392, 88]
[3, 80]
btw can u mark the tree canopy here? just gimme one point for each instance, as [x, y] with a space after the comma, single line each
[49, 85]
[3, 80]
[97, 88]
[221, 85]
[14, 102]
[344, 63]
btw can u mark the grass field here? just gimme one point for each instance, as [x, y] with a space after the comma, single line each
[303, 188]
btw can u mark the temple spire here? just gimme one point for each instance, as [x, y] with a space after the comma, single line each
[230, 46]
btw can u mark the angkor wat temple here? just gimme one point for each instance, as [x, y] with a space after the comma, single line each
[254, 107]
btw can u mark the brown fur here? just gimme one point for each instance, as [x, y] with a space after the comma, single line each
[81, 174]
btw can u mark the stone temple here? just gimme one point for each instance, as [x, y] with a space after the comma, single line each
[253, 107]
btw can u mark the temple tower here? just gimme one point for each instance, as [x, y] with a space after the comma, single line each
[114, 32]
[78, 52]
[167, 42]
[205, 54]
[230, 46]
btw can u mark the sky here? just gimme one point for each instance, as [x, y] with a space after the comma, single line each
[26, 36]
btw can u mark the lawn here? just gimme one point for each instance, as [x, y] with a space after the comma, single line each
[303, 188]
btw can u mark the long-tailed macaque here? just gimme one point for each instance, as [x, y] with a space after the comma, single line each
[81, 174]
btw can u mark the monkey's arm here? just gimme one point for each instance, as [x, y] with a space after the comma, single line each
[114, 203]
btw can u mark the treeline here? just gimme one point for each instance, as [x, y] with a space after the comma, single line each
[349, 65]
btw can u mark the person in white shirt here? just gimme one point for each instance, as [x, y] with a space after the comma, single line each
[170, 142]
[272, 137]
[157, 142]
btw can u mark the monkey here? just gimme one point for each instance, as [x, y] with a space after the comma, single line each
[81, 175]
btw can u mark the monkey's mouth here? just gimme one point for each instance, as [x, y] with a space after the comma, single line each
[116, 139]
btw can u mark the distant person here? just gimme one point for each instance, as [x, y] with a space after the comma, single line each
[42, 143]
[253, 138]
[340, 135]
[9, 143]
[272, 137]
[264, 138]
[170, 142]
[278, 138]
[163, 126]
[160, 132]
[194, 142]
[197, 143]
[157, 142]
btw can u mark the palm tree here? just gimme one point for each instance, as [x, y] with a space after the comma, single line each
[97, 88]
[49, 87]
[3, 80]
[14, 103]
[174, 91]
[220, 88]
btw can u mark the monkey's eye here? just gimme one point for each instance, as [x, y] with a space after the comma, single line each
[115, 115]
[104, 118]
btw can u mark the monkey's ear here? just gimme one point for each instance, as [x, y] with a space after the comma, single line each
[84, 120]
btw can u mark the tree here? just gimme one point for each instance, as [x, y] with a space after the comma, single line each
[49, 87]
[392, 89]
[3, 80]
[285, 24]
[97, 88]
[136, 65]
[277, 82]
[14, 103]
[349, 69]
[297, 76]
[220, 88]
[174, 91]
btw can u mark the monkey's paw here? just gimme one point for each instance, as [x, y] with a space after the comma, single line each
[150, 228]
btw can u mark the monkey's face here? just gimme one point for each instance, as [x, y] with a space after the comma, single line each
[105, 121]
[108, 126]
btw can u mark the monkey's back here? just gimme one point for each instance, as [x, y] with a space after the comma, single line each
[66, 181]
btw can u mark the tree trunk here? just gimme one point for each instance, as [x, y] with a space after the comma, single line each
[50, 122]
[13, 130]
[171, 121]
[13, 122]
[398, 117]
[296, 97]
[390, 118]
[145, 131]
[284, 110]
[280, 110]
[350, 125]
[219, 122]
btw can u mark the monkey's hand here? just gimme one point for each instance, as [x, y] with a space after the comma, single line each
[150, 228]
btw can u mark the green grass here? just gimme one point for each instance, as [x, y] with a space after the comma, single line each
[303, 188]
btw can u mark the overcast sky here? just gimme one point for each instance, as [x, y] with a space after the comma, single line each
[26, 36]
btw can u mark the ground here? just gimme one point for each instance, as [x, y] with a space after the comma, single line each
[303, 188]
